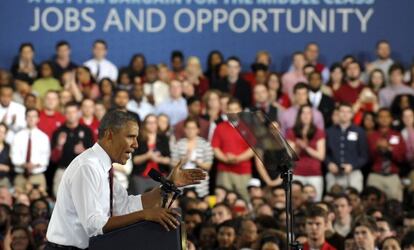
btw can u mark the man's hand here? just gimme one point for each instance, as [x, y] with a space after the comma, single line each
[333, 168]
[231, 158]
[382, 144]
[165, 217]
[184, 177]
[347, 168]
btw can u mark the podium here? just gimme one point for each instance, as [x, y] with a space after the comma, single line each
[143, 235]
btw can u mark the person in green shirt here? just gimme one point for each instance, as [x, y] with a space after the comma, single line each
[46, 81]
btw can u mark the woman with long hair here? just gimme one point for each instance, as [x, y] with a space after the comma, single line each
[86, 83]
[214, 58]
[309, 143]
[137, 65]
[46, 81]
[277, 97]
[376, 80]
[336, 79]
[24, 63]
[212, 113]
[153, 152]
[194, 152]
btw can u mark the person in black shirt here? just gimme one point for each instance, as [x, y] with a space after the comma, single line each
[68, 141]
[347, 152]
[234, 83]
[62, 61]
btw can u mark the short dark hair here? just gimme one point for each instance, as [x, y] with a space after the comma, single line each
[234, 101]
[72, 104]
[384, 109]
[344, 104]
[365, 221]
[316, 211]
[192, 100]
[101, 41]
[408, 239]
[381, 42]
[300, 85]
[195, 212]
[177, 53]
[114, 120]
[223, 204]
[228, 223]
[343, 196]
[234, 58]
[30, 110]
[387, 220]
[396, 67]
[62, 43]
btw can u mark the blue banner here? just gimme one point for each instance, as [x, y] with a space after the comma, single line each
[236, 27]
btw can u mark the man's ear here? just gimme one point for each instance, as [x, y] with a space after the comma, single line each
[108, 134]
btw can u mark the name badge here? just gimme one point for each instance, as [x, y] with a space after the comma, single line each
[352, 136]
[394, 140]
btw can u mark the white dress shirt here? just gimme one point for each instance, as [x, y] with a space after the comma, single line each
[82, 204]
[14, 117]
[39, 152]
[315, 98]
[160, 90]
[175, 109]
[142, 109]
[106, 69]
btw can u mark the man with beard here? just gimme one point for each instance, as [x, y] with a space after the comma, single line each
[138, 104]
[349, 92]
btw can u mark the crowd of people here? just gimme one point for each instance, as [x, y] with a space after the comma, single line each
[351, 125]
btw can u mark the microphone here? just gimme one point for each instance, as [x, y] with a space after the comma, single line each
[167, 184]
[167, 187]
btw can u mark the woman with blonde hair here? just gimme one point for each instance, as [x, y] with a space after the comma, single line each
[194, 75]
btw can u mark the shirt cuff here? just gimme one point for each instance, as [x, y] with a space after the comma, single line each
[135, 203]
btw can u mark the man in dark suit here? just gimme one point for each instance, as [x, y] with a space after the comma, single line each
[262, 102]
[318, 99]
[234, 83]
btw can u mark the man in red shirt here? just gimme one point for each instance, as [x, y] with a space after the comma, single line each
[50, 118]
[315, 227]
[234, 155]
[349, 92]
[387, 150]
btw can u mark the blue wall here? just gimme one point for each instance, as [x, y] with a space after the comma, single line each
[385, 19]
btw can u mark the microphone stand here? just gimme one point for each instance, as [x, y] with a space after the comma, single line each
[287, 176]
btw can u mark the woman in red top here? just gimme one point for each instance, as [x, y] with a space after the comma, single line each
[337, 78]
[277, 97]
[309, 143]
[153, 152]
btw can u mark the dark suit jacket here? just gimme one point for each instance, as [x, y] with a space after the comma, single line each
[326, 107]
[242, 92]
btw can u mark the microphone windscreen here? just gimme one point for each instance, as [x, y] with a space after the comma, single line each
[155, 175]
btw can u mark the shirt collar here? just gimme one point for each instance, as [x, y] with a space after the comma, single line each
[102, 156]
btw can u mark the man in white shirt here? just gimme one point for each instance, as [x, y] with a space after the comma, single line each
[176, 107]
[90, 202]
[384, 60]
[156, 91]
[100, 66]
[138, 104]
[30, 153]
[11, 113]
